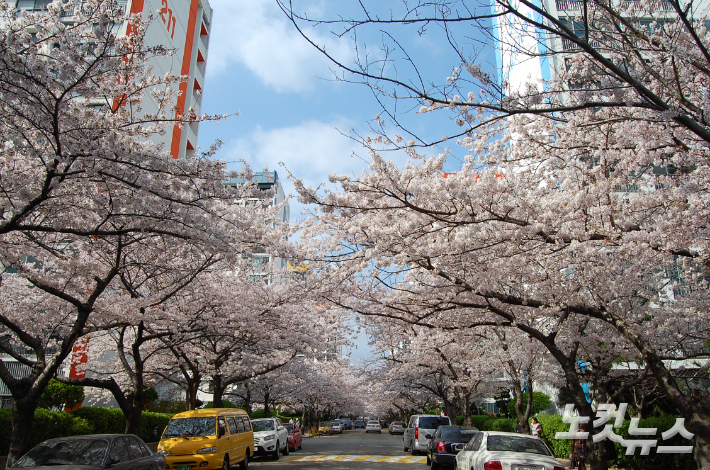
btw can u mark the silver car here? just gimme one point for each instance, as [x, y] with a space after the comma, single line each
[419, 426]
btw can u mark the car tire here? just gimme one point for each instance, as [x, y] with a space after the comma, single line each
[406, 449]
[225, 464]
[244, 464]
[275, 454]
[428, 459]
[286, 449]
[435, 465]
[412, 450]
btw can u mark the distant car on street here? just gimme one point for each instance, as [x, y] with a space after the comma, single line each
[337, 426]
[326, 427]
[347, 424]
[295, 439]
[118, 451]
[397, 427]
[373, 426]
[359, 423]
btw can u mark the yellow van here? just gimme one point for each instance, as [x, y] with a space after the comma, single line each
[208, 439]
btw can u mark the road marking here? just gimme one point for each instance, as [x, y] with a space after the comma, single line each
[359, 458]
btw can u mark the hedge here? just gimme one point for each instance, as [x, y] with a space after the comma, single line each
[112, 421]
[46, 425]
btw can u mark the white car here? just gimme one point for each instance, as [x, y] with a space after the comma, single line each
[270, 437]
[506, 451]
[337, 426]
[373, 426]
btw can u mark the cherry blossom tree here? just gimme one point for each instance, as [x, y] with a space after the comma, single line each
[88, 200]
[579, 213]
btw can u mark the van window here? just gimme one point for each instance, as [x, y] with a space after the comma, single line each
[221, 426]
[433, 422]
[240, 424]
[232, 425]
[247, 423]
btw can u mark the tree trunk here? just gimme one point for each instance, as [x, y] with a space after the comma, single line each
[191, 394]
[467, 410]
[23, 413]
[701, 451]
[133, 416]
[267, 411]
[217, 391]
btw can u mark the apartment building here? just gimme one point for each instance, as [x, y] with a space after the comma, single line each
[182, 26]
[528, 54]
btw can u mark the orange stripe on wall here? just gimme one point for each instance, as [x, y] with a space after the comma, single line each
[136, 7]
[186, 61]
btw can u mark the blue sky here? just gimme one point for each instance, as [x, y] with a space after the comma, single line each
[291, 111]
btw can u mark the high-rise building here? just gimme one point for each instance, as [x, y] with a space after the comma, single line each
[182, 26]
[524, 50]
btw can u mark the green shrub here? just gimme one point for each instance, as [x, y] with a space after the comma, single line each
[225, 404]
[551, 425]
[58, 395]
[540, 403]
[478, 421]
[46, 425]
[104, 420]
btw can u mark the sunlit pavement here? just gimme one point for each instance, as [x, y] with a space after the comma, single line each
[352, 449]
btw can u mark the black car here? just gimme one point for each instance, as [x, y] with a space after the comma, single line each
[359, 423]
[445, 443]
[102, 451]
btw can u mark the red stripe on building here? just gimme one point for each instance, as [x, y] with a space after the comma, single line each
[186, 62]
[136, 8]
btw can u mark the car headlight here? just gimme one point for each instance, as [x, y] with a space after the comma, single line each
[207, 450]
[269, 437]
[165, 452]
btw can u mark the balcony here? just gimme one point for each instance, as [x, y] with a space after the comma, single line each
[578, 5]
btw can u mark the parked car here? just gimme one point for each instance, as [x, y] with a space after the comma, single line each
[397, 427]
[359, 423]
[337, 426]
[373, 426]
[211, 438]
[505, 450]
[325, 427]
[445, 443]
[270, 437]
[295, 438]
[419, 426]
[118, 451]
[347, 424]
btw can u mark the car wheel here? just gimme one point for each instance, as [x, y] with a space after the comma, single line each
[406, 449]
[244, 464]
[435, 465]
[275, 455]
[225, 464]
[412, 450]
[286, 449]
[428, 459]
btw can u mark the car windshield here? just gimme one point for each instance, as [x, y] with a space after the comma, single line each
[373, 423]
[398, 423]
[187, 427]
[528, 445]
[265, 425]
[65, 452]
[433, 422]
[345, 420]
[458, 434]
[336, 422]
[289, 427]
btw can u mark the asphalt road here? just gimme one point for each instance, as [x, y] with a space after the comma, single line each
[350, 450]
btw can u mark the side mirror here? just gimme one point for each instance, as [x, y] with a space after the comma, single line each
[428, 436]
[280, 428]
[113, 460]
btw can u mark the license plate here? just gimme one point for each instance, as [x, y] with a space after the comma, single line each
[183, 467]
[523, 467]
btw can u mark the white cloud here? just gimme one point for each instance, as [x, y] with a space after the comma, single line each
[311, 151]
[257, 35]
